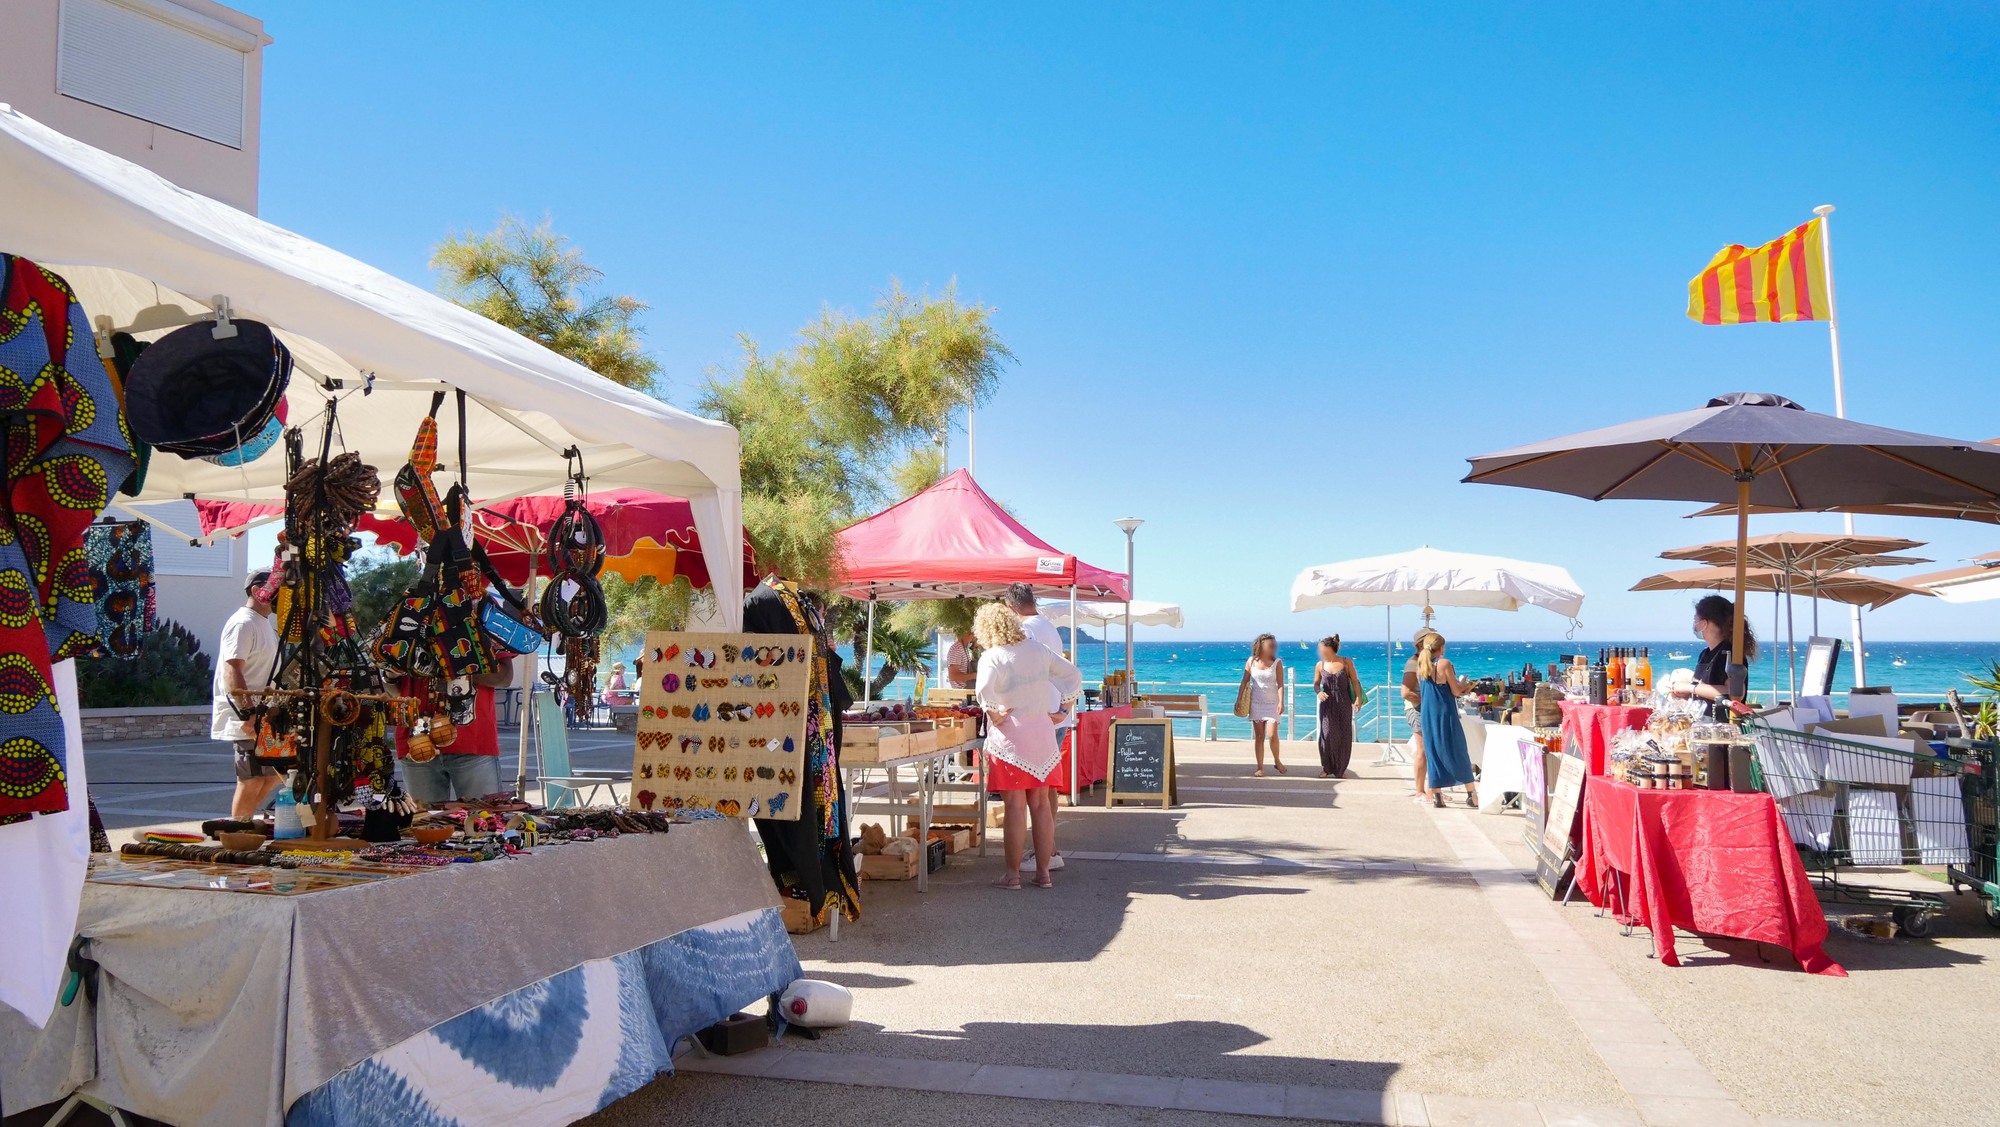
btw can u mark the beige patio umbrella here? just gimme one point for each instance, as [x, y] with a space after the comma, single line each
[1872, 592]
[1974, 584]
[1847, 587]
[1806, 555]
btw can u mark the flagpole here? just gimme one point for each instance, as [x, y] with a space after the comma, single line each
[1824, 211]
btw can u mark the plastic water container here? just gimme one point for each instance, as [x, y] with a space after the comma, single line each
[285, 822]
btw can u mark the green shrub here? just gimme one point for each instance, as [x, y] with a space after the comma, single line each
[171, 669]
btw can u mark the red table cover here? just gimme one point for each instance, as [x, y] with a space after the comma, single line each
[1713, 862]
[1592, 727]
[1090, 742]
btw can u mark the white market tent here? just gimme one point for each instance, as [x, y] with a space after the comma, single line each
[144, 254]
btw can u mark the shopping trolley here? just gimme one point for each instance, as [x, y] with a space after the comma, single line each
[1850, 804]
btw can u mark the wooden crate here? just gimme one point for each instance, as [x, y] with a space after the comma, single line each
[956, 839]
[890, 866]
[798, 917]
[879, 743]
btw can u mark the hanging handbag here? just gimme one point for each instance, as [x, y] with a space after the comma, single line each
[403, 646]
[416, 494]
[1360, 691]
[1243, 694]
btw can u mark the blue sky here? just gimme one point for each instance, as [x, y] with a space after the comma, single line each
[1272, 272]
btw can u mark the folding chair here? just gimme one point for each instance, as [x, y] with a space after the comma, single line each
[560, 785]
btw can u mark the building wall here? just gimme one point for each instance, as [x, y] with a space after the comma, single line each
[29, 40]
[197, 588]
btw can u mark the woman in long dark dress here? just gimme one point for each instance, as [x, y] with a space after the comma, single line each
[1334, 681]
[1445, 753]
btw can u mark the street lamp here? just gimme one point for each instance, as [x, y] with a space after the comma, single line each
[1129, 525]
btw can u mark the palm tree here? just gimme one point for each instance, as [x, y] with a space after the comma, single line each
[899, 650]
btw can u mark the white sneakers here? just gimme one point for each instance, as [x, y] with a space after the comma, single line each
[1028, 863]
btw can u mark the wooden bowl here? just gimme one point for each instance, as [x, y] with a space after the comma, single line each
[242, 842]
[431, 835]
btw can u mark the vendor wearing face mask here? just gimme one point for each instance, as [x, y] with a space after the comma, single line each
[1714, 621]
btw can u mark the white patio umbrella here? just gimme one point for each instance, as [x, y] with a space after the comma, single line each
[1974, 584]
[1108, 616]
[1430, 578]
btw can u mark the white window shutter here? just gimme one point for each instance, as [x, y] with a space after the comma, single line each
[156, 63]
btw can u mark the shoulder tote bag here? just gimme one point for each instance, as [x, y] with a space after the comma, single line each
[1243, 693]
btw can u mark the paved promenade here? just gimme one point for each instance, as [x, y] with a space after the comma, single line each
[1289, 949]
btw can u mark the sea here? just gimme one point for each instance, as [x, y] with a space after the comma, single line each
[1913, 669]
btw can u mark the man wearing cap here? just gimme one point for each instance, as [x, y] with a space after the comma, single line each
[244, 660]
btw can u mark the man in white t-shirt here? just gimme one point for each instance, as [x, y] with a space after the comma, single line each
[1021, 600]
[243, 662]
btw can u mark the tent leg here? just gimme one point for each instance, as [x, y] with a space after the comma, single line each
[527, 696]
[868, 655]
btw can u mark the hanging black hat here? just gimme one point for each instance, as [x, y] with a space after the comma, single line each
[198, 395]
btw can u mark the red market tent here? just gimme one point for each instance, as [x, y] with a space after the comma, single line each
[953, 540]
[644, 533]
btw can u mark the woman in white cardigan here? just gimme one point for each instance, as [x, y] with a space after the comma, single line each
[1023, 688]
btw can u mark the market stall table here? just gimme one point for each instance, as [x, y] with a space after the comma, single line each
[892, 801]
[1090, 745]
[504, 990]
[1712, 862]
[1592, 727]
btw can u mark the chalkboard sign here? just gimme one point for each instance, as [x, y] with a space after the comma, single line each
[1142, 762]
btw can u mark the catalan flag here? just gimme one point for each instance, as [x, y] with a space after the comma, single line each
[1783, 280]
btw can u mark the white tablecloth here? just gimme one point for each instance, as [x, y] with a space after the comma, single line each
[1501, 771]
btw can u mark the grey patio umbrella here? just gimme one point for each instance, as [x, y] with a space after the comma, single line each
[1754, 450]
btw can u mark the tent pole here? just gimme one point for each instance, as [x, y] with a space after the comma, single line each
[868, 654]
[527, 697]
[1073, 741]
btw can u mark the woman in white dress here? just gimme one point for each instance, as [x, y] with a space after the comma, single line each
[1018, 680]
[1266, 671]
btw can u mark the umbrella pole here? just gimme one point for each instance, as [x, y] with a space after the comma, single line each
[1777, 596]
[1791, 640]
[1739, 669]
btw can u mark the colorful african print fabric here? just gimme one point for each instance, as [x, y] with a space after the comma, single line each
[64, 449]
[121, 566]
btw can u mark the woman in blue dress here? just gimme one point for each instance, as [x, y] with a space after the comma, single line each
[1448, 762]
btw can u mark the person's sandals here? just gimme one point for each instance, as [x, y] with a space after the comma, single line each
[1437, 799]
[1008, 883]
[1257, 774]
[1280, 767]
[1043, 882]
[1472, 799]
[1325, 775]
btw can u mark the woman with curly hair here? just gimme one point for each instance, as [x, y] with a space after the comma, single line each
[1022, 687]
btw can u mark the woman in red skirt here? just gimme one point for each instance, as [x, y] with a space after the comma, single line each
[1023, 687]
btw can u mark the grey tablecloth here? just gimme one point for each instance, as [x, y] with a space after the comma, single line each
[220, 1008]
